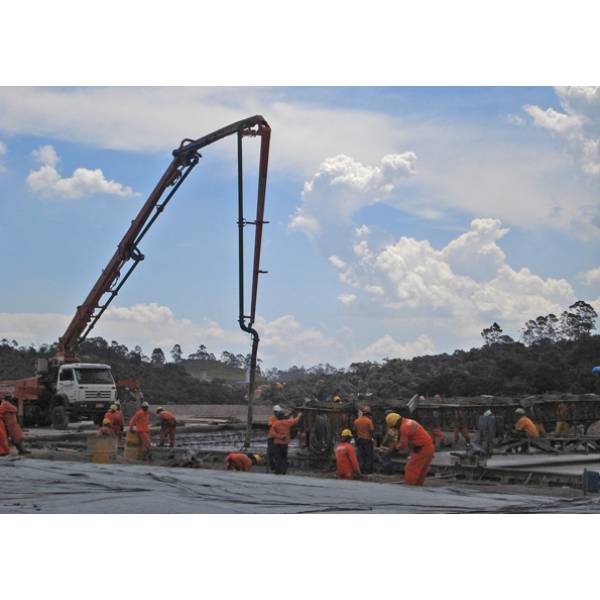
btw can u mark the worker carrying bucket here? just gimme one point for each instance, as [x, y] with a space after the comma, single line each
[168, 425]
[140, 424]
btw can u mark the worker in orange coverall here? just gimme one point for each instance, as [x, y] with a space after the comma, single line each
[168, 424]
[106, 429]
[8, 415]
[271, 437]
[140, 423]
[413, 437]
[4, 447]
[364, 428]
[526, 428]
[117, 421]
[239, 461]
[347, 466]
[281, 440]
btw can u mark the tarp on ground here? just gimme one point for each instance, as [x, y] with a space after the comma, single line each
[39, 486]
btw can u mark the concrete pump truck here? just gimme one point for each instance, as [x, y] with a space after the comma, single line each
[64, 389]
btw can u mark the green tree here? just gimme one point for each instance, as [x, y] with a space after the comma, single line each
[157, 359]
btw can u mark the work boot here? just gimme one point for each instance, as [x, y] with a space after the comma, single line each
[21, 449]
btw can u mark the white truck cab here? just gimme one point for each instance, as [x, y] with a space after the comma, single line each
[87, 390]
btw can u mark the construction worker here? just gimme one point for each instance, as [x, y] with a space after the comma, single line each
[4, 447]
[525, 427]
[487, 431]
[140, 423]
[435, 430]
[347, 466]
[413, 437]
[8, 414]
[240, 461]
[562, 424]
[118, 422]
[168, 424]
[364, 429]
[106, 429]
[271, 437]
[460, 428]
[281, 440]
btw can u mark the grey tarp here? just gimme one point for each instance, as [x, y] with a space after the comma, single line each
[29, 485]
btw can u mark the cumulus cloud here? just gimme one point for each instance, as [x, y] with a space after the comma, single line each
[47, 181]
[347, 298]
[285, 341]
[591, 277]
[388, 347]
[343, 185]
[460, 288]
[578, 124]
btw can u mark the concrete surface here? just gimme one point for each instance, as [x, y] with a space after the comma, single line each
[30, 486]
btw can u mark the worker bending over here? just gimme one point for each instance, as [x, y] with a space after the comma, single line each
[168, 424]
[240, 461]
[281, 440]
[364, 428]
[525, 426]
[347, 466]
[413, 437]
[8, 415]
[140, 423]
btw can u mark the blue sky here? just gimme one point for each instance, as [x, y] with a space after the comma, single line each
[402, 220]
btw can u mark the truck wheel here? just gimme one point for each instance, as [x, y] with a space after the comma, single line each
[60, 419]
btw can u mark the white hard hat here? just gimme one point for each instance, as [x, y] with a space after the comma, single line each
[145, 405]
[277, 408]
[520, 411]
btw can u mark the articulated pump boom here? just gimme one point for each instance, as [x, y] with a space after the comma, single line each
[128, 255]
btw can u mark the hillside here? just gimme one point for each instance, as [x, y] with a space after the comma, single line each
[507, 369]
[168, 383]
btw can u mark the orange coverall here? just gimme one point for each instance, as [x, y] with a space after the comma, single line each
[281, 430]
[117, 425]
[526, 424]
[4, 448]
[8, 413]
[167, 427]
[413, 436]
[236, 461]
[346, 461]
[363, 426]
[141, 422]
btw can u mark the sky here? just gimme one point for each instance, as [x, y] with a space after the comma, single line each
[402, 220]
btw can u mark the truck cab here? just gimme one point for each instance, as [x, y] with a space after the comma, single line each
[83, 391]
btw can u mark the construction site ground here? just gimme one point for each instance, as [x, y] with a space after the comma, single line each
[58, 477]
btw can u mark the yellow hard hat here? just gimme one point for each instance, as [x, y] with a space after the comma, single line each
[106, 422]
[337, 399]
[113, 407]
[392, 419]
[346, 433]
[257, 458]
[160, 409]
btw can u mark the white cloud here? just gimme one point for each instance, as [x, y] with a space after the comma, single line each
[343, 185]
[347, 299]
[362, 231]
[284, 341]
[337, 262]
[47, 181]
[578, 125]
[515, 120]
[591, 277]
[156, 119]
[459, 288]
[387, 347]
